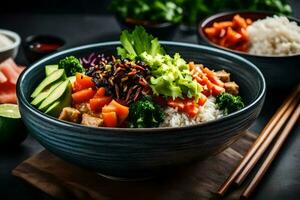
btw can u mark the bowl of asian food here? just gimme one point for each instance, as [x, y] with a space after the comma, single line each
[269, 41]
[139, 106]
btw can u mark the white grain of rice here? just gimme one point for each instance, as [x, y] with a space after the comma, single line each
[274, 36]
[208, 112]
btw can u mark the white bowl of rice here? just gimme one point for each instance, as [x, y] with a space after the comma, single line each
[274, 45]
[9, 44]
[274, 36]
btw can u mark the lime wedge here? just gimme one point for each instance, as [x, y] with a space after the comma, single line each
[10, 111]
[11, 126]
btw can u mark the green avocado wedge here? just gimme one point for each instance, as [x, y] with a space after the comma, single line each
[72, 79]
[49, 69]
[43, 95]
[55, 95]
[56, 108]
[54, 76]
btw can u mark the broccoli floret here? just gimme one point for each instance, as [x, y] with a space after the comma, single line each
[229, 103]
[145, 114]
[71, 65]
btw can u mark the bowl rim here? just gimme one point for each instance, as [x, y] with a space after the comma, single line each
[213, 17]
[73, 126]
[14, 35]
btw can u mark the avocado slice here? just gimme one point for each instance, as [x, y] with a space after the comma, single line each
[43, 95]
[58, 74]
[49, 69]
[55, 95]
[52, 109]
[72, 79]
[56, 108]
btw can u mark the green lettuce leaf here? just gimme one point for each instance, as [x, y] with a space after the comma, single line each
[138, 42]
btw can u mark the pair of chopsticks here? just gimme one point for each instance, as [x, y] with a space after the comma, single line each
[284, 119]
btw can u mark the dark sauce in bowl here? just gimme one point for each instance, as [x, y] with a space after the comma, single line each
[44, 47]
[39, 46]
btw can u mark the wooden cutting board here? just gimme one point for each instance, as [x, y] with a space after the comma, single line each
[201, 180]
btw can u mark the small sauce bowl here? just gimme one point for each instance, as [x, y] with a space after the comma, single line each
[38, 46]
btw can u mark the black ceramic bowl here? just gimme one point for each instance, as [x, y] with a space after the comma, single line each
[132, 153]
[279, 71]
[163, 30]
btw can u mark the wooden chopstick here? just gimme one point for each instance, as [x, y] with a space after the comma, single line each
[264, 134]
[274, 151]
[266, 143]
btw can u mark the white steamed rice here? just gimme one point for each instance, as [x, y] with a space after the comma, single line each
[208, 112]
[274, 36]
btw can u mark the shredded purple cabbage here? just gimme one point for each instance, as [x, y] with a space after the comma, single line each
[92, 60]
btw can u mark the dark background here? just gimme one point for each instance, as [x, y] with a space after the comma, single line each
[63, 6]
[55, 6]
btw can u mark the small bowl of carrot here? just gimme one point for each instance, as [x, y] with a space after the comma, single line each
[228, 31]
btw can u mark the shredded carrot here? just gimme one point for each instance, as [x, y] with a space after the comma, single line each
[210, 82]
[230, 34]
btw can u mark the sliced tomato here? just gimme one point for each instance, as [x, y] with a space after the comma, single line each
[202, 100]
[191, 65]
[97, 103]
[100, 92]
[122, 111]
[193, 111]
[109, 108]
[211, 75]
[189, 105]
[76, 87]
[110, 119]
[83, 95]
[176, 104]
[83, 82]
[186, 105]
[216, 90]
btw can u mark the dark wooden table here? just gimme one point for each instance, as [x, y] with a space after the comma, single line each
[282, 180]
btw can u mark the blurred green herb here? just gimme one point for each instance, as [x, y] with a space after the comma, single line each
[280, 6]
[197, 9]
[190, 11]
[150, 10]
